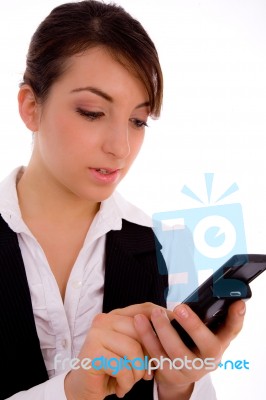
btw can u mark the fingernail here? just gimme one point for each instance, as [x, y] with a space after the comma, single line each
[157, 312]
[139, 319]
[181, 312]
[148, 376]
[242, 311]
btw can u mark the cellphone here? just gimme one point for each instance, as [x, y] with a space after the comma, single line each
[210, 301]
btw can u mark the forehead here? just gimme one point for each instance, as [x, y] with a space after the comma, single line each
[98, 66]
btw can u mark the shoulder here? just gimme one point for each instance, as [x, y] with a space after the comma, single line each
[136, 234]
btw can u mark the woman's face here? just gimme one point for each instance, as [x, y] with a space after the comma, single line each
[91, 127]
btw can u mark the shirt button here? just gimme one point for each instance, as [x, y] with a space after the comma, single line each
[76, 284]
[64, 343]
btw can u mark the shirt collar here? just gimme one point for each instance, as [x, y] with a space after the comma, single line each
[9, 206]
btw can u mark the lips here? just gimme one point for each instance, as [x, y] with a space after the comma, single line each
[105, 175]
[105, 171]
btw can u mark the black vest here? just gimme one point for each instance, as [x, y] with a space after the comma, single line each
[131, 276]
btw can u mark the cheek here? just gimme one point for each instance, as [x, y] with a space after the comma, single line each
[56, 141]
[65, 134]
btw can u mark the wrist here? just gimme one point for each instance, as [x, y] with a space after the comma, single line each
[69, 387]
[73, 388]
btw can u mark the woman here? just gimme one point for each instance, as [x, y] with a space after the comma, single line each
[79, 276]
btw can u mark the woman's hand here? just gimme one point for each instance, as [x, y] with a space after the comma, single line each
[173, 383]
[128, 332]
[111, 335]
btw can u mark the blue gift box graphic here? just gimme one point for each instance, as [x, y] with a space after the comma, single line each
[204, 238]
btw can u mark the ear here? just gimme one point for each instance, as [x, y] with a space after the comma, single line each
[28, 108]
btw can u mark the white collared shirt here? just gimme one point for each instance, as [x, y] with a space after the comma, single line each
[62, 327]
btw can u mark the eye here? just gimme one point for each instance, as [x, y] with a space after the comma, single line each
[91, 115]
[138, 123]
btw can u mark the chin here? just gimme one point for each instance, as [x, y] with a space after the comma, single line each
[99, 195]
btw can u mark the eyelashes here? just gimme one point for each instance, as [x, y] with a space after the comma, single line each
[96, 115]
[139, 123]
[91, 115]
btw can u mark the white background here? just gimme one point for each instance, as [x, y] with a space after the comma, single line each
[213, 54]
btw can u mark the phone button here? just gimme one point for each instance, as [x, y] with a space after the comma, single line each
[235, 293]
[216, 308]
[219, 313]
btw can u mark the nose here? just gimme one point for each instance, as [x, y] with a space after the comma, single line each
[116, 141]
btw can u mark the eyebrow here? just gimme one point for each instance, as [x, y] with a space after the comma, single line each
[104, 95]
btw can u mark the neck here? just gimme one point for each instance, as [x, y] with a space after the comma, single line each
[40, 196]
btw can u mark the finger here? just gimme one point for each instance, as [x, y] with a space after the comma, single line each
[170, 340]
[121, 324]
[164, 344]
[144, 308]
[233, 323]
[208, 345]
[122, 379]
[149, 338]
[124, 383]
[119, 343]
[124, 325]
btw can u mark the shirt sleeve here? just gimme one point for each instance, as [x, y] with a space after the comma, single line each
[51, 389]
[203, 389]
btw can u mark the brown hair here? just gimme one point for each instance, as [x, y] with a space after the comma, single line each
[75, 27]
